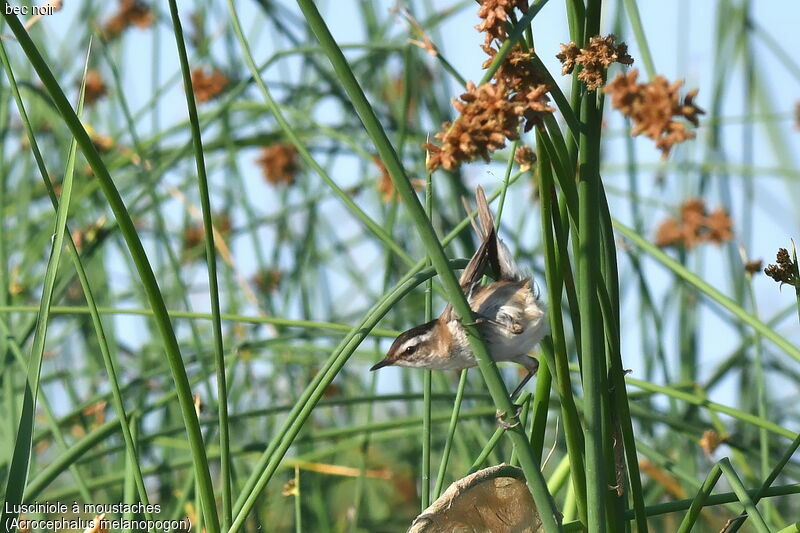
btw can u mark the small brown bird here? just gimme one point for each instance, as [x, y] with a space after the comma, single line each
[508, 312]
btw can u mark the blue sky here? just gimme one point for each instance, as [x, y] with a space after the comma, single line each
[681, 36]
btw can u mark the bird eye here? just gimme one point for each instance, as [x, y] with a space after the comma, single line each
[410, 350]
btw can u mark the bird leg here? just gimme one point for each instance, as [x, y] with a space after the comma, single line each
[522, 384]
[502, 420]
[533, 367]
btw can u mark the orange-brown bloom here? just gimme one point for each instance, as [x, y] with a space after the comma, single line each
[669, 233]
[385, 186]
[719, 225]
[89, 234]
[595, 59]
[279, 163]
[98, 411]
[652, 107]
[784, 270]
[208, 86]
[695, 226]
[525, 157]
[494, 15]
[492, 113]
[268, 280]
[487, 118]
[130, 13]
[526, 85]
[569, 57]
[95, 87]
[103, 143]
[753, 266]
[194, 234]
[711, 440]
[290, 489]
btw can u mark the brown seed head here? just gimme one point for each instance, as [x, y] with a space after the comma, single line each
[95, 87]
[194, 234]
[494, 14]
[784, 269]
[208, 86]
[279, 163]
[754, 266]
[525, 157]
[653, 106]
[695, 226]
[130, 13]
[492, 113]
[268, 280]
[711, 440]
[568, 57]
[487, 119]
[595, 59]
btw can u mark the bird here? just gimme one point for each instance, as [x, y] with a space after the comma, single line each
[508, 312]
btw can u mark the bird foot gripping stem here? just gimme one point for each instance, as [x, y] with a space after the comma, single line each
[506, 422]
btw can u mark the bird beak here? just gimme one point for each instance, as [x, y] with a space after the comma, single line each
[380, 364]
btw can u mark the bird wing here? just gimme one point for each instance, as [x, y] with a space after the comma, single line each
[504, 268]
[485, 255]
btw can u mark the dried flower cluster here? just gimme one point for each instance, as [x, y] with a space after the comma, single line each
[194, 234]
[695, 226]
[207, 86]
[267, 280]
[487, 118]
[103, 143]
[290, 489]
[525, 157]
[711, 440]
[97, 411]
[595, 59]
[130, 13]
[784, 271]
[652, 107]
[494, 15]
[753, 266]
[526, 85]
[279, 163]
[492, 113]
[90, 234]
[95, 87]
[385, 184]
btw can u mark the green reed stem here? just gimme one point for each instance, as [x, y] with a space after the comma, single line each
[451, 430]
[211, 262]
[105, 352]
[592, 351]
[425, 496]
[572, 424]
[148, 281]
[457, 298]
[19, 469]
